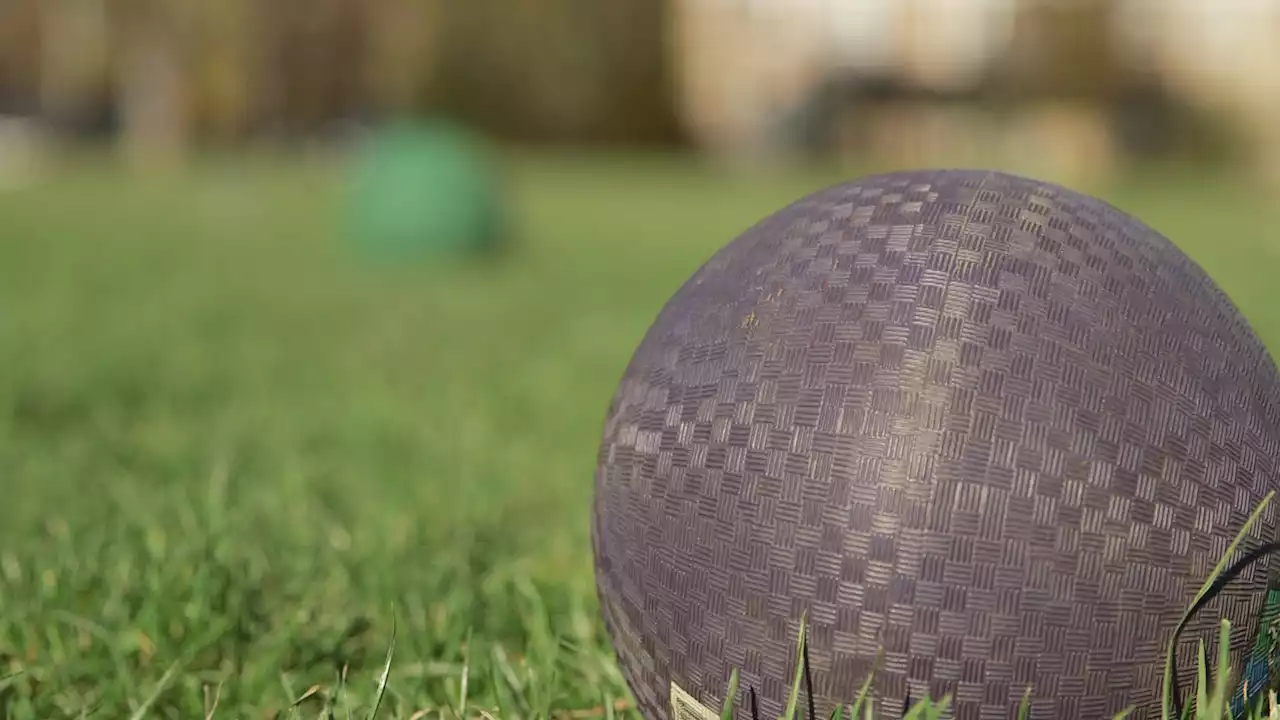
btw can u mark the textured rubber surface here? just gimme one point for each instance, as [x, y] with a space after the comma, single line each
[997, 429]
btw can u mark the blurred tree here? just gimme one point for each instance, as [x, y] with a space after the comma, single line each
[642, 106]
[402, 40]
[557, 70]
[150, 80]
[174, 71]
[1063, 50]
[73, 61]
[19, 56]
[314, 60]
[224, 90]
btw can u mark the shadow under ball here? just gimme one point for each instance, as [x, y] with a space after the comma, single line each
[999, 430]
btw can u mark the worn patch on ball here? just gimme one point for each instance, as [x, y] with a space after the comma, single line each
[686, 707]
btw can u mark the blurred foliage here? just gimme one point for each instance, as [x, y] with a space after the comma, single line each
[1061, 49]
[160, 74]
[544, 71]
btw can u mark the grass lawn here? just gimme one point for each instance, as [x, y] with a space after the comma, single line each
[229, 454]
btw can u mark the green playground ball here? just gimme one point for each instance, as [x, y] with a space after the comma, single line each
[423, 190]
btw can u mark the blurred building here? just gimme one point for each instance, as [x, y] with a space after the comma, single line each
[1222, 55]
[1063, 89]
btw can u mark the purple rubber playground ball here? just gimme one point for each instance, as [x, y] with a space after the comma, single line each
[995, 429]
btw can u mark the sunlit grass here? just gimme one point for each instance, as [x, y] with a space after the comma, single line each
[228, 450]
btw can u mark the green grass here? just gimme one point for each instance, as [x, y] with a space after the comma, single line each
[231, 456]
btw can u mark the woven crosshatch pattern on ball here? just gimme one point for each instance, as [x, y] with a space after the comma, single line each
[997, 429]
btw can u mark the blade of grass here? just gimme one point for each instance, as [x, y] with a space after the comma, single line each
[611, 707]
[926, 709]
[466, 671]
[1202, 678]
[1166, 694]
[864, 693]
[386, 671]
[10, 679]
[161, 686]
[726, 713]
[794, 698]
[1220, 702]
[212, 705]
[808, 681]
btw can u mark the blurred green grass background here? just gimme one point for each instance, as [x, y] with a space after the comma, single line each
[231, 453]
